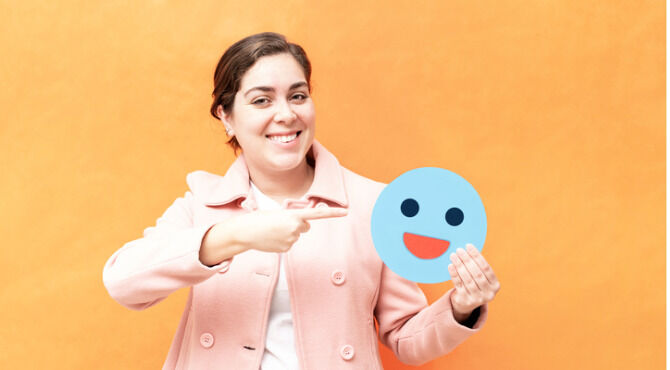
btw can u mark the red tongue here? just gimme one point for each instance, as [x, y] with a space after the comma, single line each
[425, 247]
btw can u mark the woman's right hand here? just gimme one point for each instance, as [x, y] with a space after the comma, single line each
[267, 231]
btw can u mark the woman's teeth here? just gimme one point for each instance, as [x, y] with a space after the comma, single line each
[283, 139]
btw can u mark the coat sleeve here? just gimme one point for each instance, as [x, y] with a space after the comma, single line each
[413, 330]
[145, 271]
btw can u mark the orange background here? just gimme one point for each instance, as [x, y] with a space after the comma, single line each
[553, 110]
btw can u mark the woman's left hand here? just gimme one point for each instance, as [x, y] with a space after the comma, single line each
[475, 282]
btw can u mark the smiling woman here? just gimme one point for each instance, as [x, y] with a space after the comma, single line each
[277, 253]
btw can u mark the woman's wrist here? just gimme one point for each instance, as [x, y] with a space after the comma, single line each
[461, 317]
[219, 244]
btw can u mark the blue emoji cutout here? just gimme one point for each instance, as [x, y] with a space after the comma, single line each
[421, 218]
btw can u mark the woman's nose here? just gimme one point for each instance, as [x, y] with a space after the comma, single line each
[284, 113]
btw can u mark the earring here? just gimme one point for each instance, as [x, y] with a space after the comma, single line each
[229, 131]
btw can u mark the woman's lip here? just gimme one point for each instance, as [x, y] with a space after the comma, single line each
[284, 133]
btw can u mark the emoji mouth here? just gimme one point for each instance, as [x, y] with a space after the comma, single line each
[425, 247]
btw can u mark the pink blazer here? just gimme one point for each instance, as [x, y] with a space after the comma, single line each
[337, 282]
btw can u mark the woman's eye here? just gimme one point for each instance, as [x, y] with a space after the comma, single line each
[260, 101]
[299, 97]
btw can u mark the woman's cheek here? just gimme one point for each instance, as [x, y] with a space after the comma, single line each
[307, 116]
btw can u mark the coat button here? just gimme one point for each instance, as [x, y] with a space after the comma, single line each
[337, 277]
[347, 352]
[206, 340]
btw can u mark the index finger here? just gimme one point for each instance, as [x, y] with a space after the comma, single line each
[317, 213]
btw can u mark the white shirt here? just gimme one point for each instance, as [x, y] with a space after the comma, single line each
[280, 353]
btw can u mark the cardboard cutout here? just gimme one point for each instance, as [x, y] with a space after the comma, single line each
[423, 216]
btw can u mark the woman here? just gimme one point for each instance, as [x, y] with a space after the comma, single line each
[277, 253]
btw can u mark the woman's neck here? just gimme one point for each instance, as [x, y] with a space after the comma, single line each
[291, 184]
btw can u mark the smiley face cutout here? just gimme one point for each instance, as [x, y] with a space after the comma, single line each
[421, 218]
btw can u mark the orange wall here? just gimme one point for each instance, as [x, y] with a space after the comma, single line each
[554, 110]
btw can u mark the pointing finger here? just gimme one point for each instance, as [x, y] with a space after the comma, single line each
[317, 213]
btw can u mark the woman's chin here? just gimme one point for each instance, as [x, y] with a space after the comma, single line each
[287, 160]
[286, 164]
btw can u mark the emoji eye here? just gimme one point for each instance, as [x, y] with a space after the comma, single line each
[454, 216]
[409, 207]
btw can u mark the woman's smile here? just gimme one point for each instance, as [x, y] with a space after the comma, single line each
[285, 140]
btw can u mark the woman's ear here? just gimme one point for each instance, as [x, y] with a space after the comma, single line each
[225, 118]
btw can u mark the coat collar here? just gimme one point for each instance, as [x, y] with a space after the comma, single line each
[216, 190]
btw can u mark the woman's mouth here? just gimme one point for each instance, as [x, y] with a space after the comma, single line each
[284, 139]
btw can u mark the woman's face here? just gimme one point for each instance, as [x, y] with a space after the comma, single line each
[273, 114]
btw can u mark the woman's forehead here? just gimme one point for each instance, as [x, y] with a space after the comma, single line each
[278, 71]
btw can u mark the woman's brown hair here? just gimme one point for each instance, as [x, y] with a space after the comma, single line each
[241, 56]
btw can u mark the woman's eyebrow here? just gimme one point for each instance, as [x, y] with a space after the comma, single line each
[297, 85]
[271, 89]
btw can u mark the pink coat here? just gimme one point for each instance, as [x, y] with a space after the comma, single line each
[338, 284]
